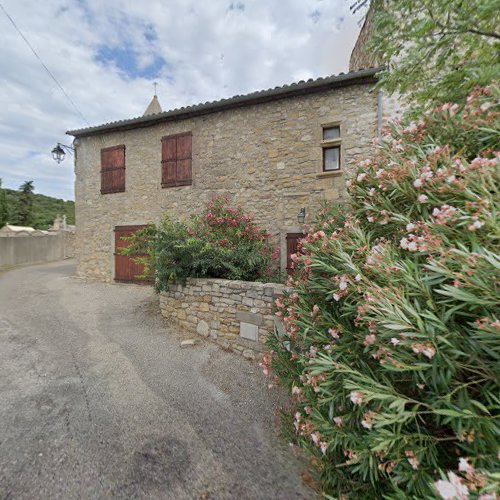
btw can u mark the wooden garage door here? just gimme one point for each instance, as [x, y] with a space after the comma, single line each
[292, 246]
[126, 270]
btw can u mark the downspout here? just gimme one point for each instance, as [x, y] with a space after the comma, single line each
[379, 112]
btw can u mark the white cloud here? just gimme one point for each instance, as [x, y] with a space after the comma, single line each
[210, 51]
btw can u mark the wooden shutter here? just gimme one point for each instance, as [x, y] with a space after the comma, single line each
[168, 161]
[113, 169]
[184, 151]
[176, 160]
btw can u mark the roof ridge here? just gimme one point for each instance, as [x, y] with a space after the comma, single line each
[237, 100]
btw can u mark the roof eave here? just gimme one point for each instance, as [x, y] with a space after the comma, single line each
[364, 76]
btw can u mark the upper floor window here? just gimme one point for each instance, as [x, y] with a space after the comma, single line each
[176, 160]
[331, 145]
[113, 169]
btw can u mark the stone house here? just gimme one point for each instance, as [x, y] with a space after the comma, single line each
[273, 152]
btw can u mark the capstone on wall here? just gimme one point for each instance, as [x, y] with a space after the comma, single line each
[236, 314]
[266, 157]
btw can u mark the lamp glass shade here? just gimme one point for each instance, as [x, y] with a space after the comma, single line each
[58, 154]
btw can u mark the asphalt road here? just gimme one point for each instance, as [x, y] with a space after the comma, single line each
[98, 400]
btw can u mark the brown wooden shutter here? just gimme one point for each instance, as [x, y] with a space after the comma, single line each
[176, 160]
[113, 169]
[168, 161]
[184, 152]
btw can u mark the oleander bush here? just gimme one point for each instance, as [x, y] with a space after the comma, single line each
[391, 342]
[221, 242]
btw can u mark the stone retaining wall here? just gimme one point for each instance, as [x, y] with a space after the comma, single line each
[235, 314]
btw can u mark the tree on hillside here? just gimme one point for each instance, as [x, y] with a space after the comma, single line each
[4, 210]
[436, 51]
[25, 204]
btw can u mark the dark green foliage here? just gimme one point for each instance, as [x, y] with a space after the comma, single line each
[24, 212]
[221, 242]
[438, 50]
[44, 210]
[4, 211]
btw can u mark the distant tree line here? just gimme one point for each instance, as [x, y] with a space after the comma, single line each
[25, 208]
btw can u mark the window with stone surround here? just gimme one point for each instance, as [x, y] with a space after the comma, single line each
[113, 169]
[332, 147]
[176, 160]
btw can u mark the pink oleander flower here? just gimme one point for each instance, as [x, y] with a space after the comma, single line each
[360, 177]
[316, 437]
[324, 447]
[425, 349]
[367, 421]
[296, 391]
[358, 277]
[370, 339]
[453, 489]
[465, 466]
[412, 458]
[418, 183]
[357, 397]
[410, 227]
[334, 332]
[339, 421]
[475, 225]
[422, 198]
[336, 297]
[395, 341]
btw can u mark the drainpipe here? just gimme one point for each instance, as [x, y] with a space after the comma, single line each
[379, 112]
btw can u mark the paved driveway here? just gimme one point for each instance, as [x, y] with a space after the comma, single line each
[98, 400]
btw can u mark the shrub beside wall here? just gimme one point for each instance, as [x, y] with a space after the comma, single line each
[391, 347]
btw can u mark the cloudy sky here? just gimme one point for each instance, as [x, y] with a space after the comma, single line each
[107, 53]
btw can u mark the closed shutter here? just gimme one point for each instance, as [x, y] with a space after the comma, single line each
[184, 147]
[168, 161]
[177, 160]
[113, 169]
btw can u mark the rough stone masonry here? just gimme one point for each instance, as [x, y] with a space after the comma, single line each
[264, 150]
[237, 315]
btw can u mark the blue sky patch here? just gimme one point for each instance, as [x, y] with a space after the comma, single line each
[125, 59]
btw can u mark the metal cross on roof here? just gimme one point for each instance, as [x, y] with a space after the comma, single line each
[155, 85]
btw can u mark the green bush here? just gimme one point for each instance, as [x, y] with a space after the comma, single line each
[221, 242]
[391, 344]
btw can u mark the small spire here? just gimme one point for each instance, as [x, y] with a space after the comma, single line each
[154, 106]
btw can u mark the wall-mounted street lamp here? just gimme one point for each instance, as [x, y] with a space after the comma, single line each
[301, 216]
[59, 152]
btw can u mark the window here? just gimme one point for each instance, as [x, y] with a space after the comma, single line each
[176, 160]
[331, 159]
[113, 169]
[331, 145]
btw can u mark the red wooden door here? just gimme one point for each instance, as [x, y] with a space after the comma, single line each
[292, 246]
[126, 270]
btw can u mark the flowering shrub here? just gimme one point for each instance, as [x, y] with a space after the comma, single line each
[391, 344]
[221, 242]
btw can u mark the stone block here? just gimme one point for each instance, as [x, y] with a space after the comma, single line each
[248, 354]
[204, 307]
[246, 317]
[247, 302]
[249, 331]
[202, 328]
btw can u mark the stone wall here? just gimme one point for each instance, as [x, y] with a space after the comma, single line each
[235, 314]
[361, 57]
[267, 157]
[23, 250]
